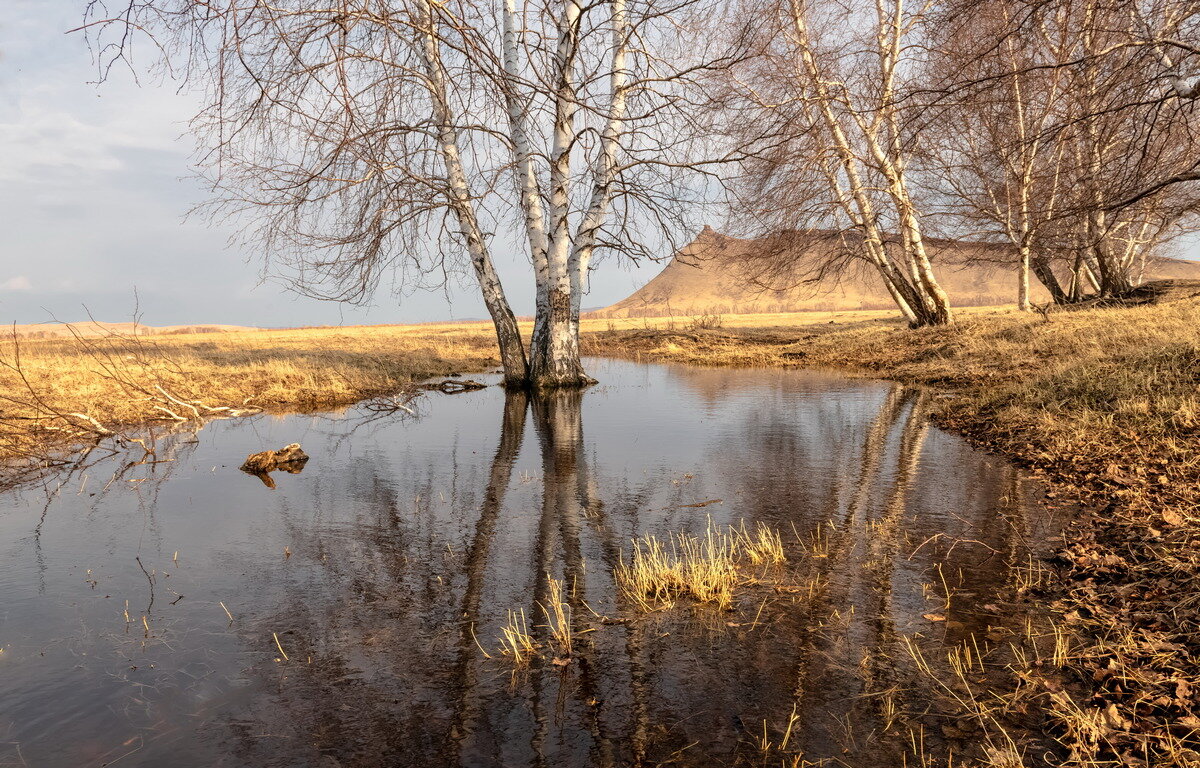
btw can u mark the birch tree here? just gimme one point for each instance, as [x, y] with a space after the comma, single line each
[363, 140]
[828, 85]
[1123, 77]
[998, 160]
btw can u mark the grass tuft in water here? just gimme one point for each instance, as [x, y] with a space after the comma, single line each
[558, 618]
[516, 643]
[702, 567]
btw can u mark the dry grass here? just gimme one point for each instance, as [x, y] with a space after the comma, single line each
[704, 568]
[66, 389]
[516, 642]
[558, 618]
[762, 546]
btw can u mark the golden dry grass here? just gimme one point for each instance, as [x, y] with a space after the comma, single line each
[558, 617]
[704, 568]
[118, 381]
[516, 643]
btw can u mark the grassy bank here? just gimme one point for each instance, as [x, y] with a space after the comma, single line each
[55, 394]
[1106, 402]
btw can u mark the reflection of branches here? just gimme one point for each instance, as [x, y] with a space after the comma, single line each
[372, 414]
[390, 405]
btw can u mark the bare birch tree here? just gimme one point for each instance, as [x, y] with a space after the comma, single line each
[828, 84]
[998, 162]
[1100, 92]
[365, 140]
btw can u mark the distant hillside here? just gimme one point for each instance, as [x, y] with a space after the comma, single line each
[719, 274]
[92, 328]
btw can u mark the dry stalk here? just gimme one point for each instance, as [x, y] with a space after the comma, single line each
[558, 617]
[516, 643]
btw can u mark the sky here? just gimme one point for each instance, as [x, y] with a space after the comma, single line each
[95, 185]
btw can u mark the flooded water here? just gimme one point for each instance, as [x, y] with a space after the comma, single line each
[387, 567]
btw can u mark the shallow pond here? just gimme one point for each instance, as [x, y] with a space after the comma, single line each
[388, 567]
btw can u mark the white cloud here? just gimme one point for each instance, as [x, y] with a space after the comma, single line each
[18, 283]
[53, 119]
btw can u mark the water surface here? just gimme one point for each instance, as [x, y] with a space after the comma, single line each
[383, 567]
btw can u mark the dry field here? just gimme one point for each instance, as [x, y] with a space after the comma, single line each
[62, 393]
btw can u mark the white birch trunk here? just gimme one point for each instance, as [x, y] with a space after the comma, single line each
[1023, 280]
[512, 350]
[891, 163]
[556, 359]
[872, 239]
[527, 182]
[605, 165]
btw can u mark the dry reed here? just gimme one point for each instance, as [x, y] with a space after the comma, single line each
[558, 617]
[704, 567]
[516, 643]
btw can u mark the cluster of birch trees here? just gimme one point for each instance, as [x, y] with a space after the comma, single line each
[404, 141]
[362, 141]
[1062, 129]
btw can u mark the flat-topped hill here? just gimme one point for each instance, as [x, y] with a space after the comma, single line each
[719, 274]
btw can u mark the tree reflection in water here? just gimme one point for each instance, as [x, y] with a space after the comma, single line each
[409, 542]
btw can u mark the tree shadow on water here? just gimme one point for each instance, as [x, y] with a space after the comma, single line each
[392, 632]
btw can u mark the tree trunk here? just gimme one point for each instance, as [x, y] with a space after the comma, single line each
[603, 168]
[556, 353]
[526, 177]
[1023, 280]
[508, 335]
[1045, 275]
[1114, 279]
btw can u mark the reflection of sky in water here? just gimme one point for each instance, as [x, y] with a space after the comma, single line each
[406, 535]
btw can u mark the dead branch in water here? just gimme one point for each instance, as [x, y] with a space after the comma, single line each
[454, 386]
[401, 402]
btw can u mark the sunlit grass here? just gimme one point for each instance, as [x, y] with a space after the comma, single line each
[516, 642]
[703, 567]
[115, 381]
[762, 546]
[558, 617]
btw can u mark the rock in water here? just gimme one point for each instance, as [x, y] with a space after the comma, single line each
[289, 458]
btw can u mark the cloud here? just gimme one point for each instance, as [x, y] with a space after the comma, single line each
[55, 123]
[18, 283]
